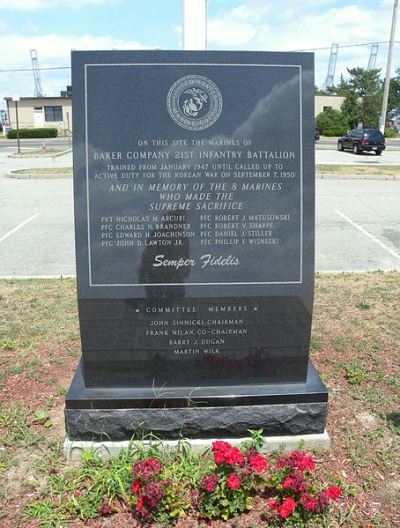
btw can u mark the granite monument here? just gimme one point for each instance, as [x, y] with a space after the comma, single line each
[194, 214]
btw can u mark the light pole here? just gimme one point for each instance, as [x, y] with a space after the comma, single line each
[382, 119]
[16, 99]
[194, 24]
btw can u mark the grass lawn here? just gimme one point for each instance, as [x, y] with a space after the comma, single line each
[362, 171]
[44, 171]
[355, 346]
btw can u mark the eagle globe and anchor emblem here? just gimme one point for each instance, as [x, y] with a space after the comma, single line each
[194, 102]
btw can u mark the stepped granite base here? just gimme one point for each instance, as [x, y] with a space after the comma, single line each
[202, 413]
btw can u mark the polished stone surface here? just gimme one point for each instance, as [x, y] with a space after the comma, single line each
[194, 206]
[80, 396]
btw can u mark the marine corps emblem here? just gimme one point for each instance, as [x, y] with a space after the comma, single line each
[194, 102]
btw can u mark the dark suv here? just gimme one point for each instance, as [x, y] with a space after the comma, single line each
[361, 140]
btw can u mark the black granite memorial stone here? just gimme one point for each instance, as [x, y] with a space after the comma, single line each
[194, 215]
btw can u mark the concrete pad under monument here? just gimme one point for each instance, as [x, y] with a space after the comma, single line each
[194, 214]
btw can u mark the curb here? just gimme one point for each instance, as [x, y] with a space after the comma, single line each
[56, 155]
[30, 176]
[333, 176]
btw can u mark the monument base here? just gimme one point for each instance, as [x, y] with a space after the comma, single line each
[292, 409]
[74, 448]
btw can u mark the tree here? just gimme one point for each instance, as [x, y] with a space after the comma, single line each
[365, 84]
[320, 91]
[394, 95]
[352, 109]
[331, 123]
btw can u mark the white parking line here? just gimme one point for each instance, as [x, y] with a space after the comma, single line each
[377, 241]
[19, 226]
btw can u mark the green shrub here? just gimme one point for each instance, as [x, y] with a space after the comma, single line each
[331, 123]
[33, 133]
[334, 131]
[390, 132]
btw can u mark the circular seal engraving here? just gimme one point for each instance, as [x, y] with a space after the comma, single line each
[194, 102]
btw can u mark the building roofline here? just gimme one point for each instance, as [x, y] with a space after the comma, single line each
[37, 98]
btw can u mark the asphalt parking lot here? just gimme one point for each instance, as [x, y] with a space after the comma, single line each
[357, 221]
[333, 157]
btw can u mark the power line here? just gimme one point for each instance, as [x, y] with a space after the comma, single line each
[40, 69]
[50, 68]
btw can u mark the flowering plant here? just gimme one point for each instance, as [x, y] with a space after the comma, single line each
[292, 496]
[229, 488]
[224, 485]
[158, 494]
[148, 489]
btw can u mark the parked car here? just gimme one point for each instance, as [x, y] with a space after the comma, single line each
[361, 140]
[316, 135]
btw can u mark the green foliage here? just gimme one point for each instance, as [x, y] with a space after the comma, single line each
[393, 420]
[257, 438]
[225, 503]
[331, 123]
[363, 305]
[78, 493]
[367, 86]
[352, 109]
[7, 343]
[15, 429]
[33, 133]
[394, 95]
[356, 373]
[42, 417]
[390, 133]
[103, 487]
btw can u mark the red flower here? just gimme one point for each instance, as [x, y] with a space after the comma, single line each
[272, 503]
[145, 469]
[323, 500]
[141, 509]
[308, 503]
[209, 482]
[287, 483]
[105, 508]
[233, 481]
[135, 486]
[224, 453]
[219, 449]
[258, 463]
[304, 462]
[153, 493]
[234, 457]
[333, 492]
[294, 482]
[296, 460]
[286, 508]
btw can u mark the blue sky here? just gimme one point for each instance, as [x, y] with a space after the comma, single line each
[54, 27]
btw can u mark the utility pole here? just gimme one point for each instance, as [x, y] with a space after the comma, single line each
[194, 24]
[16, 98]
[382, 119]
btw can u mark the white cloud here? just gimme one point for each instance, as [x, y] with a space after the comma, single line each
[57, 48]
[53, 51]
[230, 32]
[253, 25]
[32, 5]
